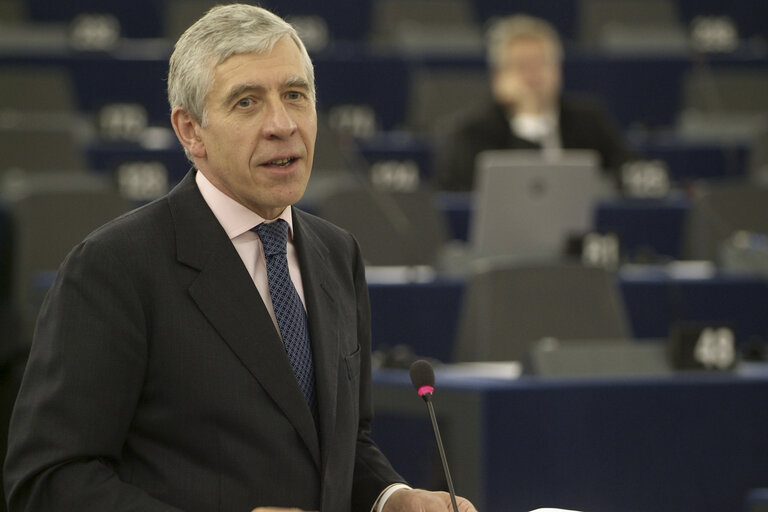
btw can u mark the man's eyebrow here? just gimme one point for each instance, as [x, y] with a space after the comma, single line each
[297, 82]
[239, 89]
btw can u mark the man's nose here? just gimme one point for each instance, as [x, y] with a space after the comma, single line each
[278, 122]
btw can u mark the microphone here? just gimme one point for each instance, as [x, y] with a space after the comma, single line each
[423, 379]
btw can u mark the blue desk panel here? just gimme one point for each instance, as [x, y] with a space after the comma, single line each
[692, 160]
[422, 317]
[425, 315]
[647, 228]
[655, 302]
[678, 443]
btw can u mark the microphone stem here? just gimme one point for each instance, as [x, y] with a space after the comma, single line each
[442, 452]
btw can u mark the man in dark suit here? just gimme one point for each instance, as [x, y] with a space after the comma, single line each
[527, 111]
[163, 375]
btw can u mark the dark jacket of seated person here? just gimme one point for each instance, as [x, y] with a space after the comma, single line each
[583, 123]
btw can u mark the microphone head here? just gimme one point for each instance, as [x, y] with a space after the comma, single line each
[423, 377]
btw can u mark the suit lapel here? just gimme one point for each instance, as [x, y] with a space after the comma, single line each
[221, 289]
[323, 322]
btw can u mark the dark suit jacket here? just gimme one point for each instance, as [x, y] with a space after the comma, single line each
[584, 124]
[157, 381]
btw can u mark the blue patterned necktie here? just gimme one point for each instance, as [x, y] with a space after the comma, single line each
[291, 317]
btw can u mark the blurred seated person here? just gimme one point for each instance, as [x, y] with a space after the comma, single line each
[528, 111]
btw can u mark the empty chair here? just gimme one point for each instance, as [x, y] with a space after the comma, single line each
[312, 28]
[180, 14]
[49, 215]
[646, 26]
[12, 12]
[335, 160]
[724, 104]
[445, 26]
[40, 128]
[40, 89]
[508, 307]
[40, 149]
[728, 127]
[334, 152]
[17, 36]
[719, 211]
[725, 90]
[393, 228]
[435, 94]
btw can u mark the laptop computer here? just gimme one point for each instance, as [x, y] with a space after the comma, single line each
[528, 203]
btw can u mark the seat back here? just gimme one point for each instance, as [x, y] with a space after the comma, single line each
[632, 25]
[509, 306]
[435, 94]
[718, 212]
[725, 90]
[49, 216]
[393, 228]
[42, 148]
[46, 89]
[445, 26]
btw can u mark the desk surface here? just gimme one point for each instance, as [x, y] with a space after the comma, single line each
[680, 443]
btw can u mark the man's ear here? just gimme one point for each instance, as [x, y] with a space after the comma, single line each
[188, 132]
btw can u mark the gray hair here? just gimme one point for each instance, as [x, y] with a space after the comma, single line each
[520, 26]
[223, 31]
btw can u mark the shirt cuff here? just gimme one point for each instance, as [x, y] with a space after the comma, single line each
[385, 494]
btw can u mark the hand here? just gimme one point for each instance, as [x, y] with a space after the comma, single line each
[512, 92]
[419, 500]
[276, 509]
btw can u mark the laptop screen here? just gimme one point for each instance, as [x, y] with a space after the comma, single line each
[528, 203]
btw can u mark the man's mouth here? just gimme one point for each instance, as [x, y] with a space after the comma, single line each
[281, 162]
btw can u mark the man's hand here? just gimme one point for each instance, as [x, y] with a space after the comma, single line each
[419, 500]
[512, 92]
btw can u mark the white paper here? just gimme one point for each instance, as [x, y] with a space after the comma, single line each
[552, 510]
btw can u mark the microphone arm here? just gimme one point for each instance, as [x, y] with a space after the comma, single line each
[423, 379]
[440, 448]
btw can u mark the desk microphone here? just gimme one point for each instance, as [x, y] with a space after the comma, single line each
[423, 379]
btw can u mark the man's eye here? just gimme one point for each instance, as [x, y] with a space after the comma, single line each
[245, 102]
[294, 95]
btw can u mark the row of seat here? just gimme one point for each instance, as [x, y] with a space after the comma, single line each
[44, 218]
[721, 223]
[119, 95]
[364, 92]
[585, 20]
[395, 163]
[504, 310]
[404, 92]
[120, 131]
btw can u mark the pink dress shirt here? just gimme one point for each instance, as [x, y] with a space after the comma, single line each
[237, 221]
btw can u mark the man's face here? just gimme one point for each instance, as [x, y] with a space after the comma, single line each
[258, 142]
[532, 65]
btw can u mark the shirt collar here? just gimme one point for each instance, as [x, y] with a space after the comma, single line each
[235, 218]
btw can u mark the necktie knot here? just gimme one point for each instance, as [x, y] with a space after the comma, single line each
[274, 236]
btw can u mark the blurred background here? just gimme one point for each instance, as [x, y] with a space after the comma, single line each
[669, 274]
